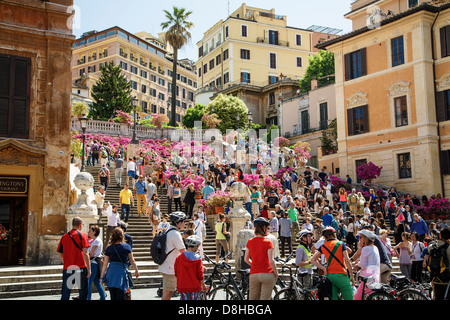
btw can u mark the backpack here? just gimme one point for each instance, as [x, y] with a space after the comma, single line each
[438, 263]
[158, 247]
[94, 149]
[104, 154]
[103, 173]
[294, 177]
[353, 198]
[333, 189]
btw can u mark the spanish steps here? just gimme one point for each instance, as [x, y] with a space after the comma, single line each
[23, 281]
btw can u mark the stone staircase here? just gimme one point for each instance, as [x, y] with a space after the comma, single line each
[22, 281]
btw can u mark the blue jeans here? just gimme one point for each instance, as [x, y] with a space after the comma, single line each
[126, 208]
[344, 205]
[248, 207]
[72, 276]
[95, 279]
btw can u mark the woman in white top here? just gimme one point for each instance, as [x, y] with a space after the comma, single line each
[95, 252]
[199, 230]
[369, 261]
[416, 247]
[131, 171]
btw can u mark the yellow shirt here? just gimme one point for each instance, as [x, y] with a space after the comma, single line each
[126, 196]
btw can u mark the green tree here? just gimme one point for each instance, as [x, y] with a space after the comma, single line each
[320, 66]
[193, 114]
[177, 35]
[111, 92]
[227, 107]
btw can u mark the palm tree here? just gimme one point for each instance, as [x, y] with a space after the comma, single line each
[177, 36]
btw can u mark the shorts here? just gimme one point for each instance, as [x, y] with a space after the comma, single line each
[131, 174]
[169, 282]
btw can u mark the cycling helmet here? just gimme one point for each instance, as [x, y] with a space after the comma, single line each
[328, 231]
[260, 222]
[304, 233]
[176, 217]
[193, 241]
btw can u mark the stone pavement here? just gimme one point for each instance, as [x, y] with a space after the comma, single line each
[136, 294]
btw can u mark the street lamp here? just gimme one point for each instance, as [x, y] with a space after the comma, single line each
[250, 118]
[238, 119]
[134, 103]
[83, 122]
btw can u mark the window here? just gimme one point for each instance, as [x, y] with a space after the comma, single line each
[357, 164]
[123, 65]
[200, 51]
[205, 68]
[219, 81]
[82, 72]
[244, 31]
[199, 72]
[191, 96]
[161, 96]
[134, 69]
[184, 93]
[225, 55]
[153, 77]
[271, 98]
[443, 105]
[401, 111]
[154, 108]
[355, 64]
[299, 62]
[144, 74]
[413, 3]
[161, 82]
[226, 32]
[143, 88]
[445, 41]
[245, 54]
[358, 120]
[162, 110]
[273, 61]
[404, 165]
[133, 85]
[398, 54]
[144, 106]
[323, 109]
[153, 92]
[15, 85]
[304, 116]
[226, 78]
[298, 39]
[218, 59]
[211, 64]
[245, 77]
[273, 79]
[273, 37]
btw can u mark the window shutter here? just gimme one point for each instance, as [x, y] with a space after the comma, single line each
[441, 106]
[363, 61]
[347, 67]
[366, 117]
[350, 122]
[276, 37]
[443, 42]
[445, 162]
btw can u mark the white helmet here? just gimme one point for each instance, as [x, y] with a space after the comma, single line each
[193, 241]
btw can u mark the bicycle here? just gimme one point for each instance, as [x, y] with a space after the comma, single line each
[377, 291]
[407, 290]
[228, 288]
[294, 289]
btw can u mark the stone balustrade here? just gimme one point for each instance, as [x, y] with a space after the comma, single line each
[142, 132]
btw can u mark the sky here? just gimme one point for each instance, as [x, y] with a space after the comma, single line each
[147, 15]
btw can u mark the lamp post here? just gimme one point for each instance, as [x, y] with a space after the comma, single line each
[250, 118]
[238, 119]
[83, 122]
[135, 103]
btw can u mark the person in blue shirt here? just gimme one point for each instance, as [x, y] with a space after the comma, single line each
[327, 217]
[140, 189]
[349, 180]
[207, 190]
[420, 226]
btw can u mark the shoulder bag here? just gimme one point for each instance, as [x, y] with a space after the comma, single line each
[129, 276]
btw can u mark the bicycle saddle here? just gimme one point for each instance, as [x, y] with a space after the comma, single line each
[244, 271]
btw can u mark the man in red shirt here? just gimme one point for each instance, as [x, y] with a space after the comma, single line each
[73, 248]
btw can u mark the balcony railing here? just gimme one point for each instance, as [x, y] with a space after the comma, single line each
[275, 43]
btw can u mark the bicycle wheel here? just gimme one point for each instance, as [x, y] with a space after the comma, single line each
[412, 294]
[289, 294]
[222, 293]
[381, 295]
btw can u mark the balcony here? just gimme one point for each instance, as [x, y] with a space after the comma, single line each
[275, 43]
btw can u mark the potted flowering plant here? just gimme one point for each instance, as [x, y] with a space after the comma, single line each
[282, 142]
[368, 171]
[159, 120]
[123, 117]
[218, 200]
[302, 152]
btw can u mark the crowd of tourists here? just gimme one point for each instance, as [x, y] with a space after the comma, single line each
[353, 227]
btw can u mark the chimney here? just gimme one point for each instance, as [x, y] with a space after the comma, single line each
[314, 84]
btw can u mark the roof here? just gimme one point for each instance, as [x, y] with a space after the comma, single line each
[322, 29]
[432, 6]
